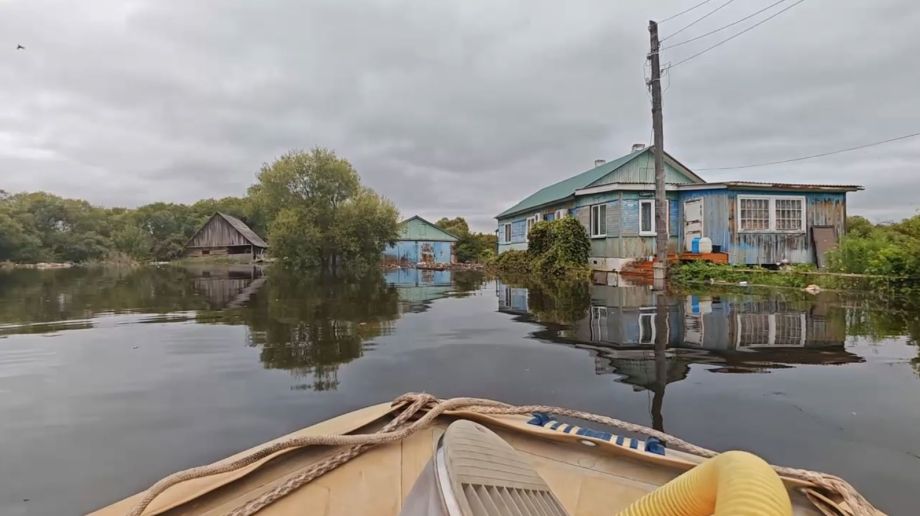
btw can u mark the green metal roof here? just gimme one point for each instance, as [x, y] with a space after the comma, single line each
[417, 228]
[566, 188]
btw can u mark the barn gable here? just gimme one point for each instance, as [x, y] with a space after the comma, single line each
[223, 230]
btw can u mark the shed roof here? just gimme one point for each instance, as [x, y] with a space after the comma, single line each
[417, 228]
[567, 187]
[243, 229]
[753, 185]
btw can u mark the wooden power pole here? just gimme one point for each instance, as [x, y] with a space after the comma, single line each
[661, 201]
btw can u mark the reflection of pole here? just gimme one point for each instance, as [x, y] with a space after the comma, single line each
[661, 360]
[657, 402]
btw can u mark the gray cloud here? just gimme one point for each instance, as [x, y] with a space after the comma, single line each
[448, 108]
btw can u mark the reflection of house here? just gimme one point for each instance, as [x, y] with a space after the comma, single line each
[512, 299]
[626, 316]
[223, 234]
[417, 287]
[229, 286]
[421, 241]
[754, 223]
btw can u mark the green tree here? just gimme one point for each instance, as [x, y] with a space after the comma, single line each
[470, 247]
[318, 213]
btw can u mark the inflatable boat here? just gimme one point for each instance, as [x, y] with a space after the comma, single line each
[419, 455]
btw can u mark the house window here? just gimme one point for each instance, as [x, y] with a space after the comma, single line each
[598, 220]
[755, 214]
[789, 214]
[647, 217]
[771, 213]
[531, 221]
[561, 214]
[507, 233]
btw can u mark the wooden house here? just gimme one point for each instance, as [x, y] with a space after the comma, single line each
[222, 235]
[751, 223]
[421, 242]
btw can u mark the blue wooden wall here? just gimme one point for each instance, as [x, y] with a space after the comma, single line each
[719, 224]
[719, 206]
[410, 251]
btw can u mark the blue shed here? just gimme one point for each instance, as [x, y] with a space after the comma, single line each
[421, 242]
[751, 223]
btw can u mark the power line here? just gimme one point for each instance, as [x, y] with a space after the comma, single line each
[821, 155]
[685, 11]
[736, 22]
[694, 22]
[726, 40]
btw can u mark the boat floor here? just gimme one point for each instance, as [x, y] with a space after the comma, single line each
[587, 480]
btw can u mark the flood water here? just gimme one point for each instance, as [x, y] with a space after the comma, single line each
[111, 379]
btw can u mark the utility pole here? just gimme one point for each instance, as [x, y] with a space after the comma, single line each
[661, 202]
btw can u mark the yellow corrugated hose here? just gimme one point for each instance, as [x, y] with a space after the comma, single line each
[733, 482]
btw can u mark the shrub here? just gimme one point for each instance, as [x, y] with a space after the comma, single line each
[555, 249]
[570, 241]
[540, 238]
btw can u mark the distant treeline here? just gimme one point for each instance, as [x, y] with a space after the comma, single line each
[41, 227]
[311, 206]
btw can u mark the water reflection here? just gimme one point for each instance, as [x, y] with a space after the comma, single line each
[649, 339]
[303, 324]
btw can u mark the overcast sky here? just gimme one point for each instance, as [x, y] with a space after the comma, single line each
[447, 107]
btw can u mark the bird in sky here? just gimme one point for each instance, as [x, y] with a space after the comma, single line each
[20, 47]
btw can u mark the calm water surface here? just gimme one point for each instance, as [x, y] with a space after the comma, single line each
[111, 379]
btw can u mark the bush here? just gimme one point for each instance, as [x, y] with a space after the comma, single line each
[555, 249]
[570, 241]
[540, 238]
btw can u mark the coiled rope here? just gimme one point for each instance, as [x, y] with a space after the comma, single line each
[401, 428]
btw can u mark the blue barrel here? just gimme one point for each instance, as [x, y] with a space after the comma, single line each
[695, 245]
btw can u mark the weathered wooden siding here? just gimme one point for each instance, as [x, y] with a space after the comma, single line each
[623, 240]
[617, 313]
[720, 225]
[217, 232]
[410, 252]
[642, 170]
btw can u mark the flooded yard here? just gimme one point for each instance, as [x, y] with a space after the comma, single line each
[111, 379]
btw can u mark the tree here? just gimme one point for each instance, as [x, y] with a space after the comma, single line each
[470, 247]
[319, 215]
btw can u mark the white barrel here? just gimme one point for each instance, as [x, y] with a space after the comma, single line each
[705, 245]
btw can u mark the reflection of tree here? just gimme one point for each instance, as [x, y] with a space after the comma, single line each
[465, 282]
[886, 318]
[556, 301]
[33, 296]
[310, 326]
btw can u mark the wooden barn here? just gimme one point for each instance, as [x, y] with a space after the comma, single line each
[224, 235]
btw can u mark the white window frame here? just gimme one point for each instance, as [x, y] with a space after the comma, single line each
[772, 210]
[506, 233]
[667, 217]
[652, 224]
[561, 214]
[743, 321]
[530, 222]
[642, 336]
[594, 233]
